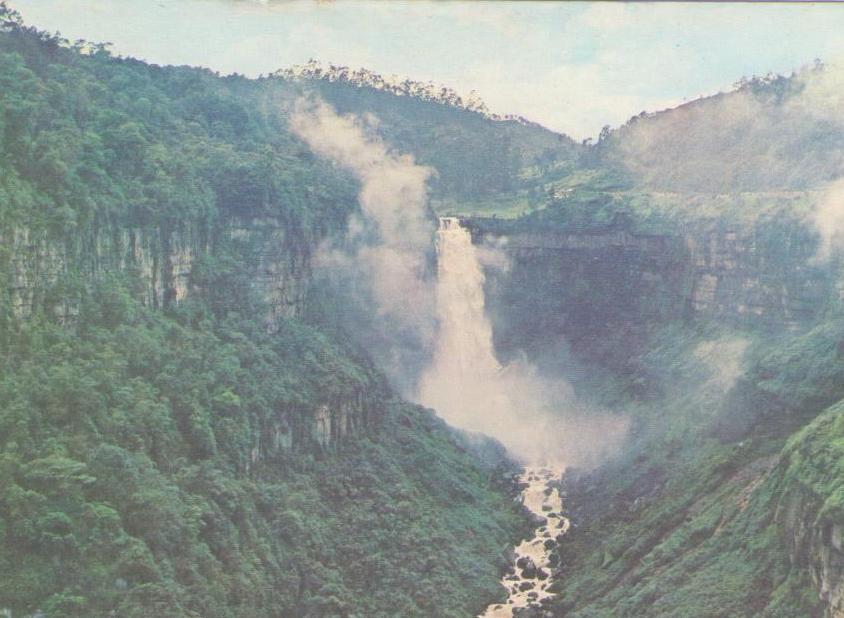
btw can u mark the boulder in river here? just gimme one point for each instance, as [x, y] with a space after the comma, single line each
[537, 520]
[536, 609]
[527, 566]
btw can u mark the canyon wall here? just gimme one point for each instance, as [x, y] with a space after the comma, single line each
[587, 283]
[51, 274]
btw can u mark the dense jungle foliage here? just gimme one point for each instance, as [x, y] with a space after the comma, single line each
[164, 462]
[129, 481]
[165, 457]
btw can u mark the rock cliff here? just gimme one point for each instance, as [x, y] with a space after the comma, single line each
[586, 283]
[163, 258]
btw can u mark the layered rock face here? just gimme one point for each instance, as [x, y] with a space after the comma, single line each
[343, 417]
[816, 544]
[50, 274]
[325, 427]
[744, 276]
[590, 282]
[45, 269]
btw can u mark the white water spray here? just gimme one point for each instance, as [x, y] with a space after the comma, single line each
[539, 420]
[464, 364]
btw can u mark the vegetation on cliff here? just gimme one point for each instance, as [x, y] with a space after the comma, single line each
[173, 460]
[133, 477]
[694, 518]
[170, 456]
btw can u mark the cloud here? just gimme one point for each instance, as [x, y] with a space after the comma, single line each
[538, 419]
[385, 254]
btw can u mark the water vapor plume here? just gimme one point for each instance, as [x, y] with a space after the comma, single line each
[773, 133]
[828, 220]
[390, 265]
[539, 420]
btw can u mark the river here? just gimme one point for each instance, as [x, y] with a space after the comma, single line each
[470, 389]
[528, 582]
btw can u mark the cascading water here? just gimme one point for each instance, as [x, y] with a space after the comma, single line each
[466, 384]
[528, 581]
[464, 363]
[469, 387]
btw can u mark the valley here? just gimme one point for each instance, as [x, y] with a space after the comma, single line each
[322, 344]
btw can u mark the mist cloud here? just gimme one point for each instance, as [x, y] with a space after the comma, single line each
[386, 252]
[723, 360]
[385, 256]
[538, 419]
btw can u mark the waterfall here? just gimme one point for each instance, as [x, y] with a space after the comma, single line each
[469, 387]
[464, 351]
[538, 418]
[464, 365]
[465, 383]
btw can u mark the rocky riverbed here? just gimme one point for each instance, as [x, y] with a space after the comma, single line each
[528, 581]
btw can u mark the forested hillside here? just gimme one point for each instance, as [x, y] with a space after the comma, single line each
[476, 159]
[189, 427]
[773, 133]
[181, 432]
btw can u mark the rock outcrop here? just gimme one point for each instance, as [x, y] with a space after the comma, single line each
[589, 282]
[48, 271]
[809, 486]
[815, 544]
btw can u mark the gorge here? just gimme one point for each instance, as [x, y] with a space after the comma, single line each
[301, 345]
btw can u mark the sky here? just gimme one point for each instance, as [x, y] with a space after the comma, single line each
[573, 67]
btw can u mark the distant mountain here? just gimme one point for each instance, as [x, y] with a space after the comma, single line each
[475, 154]
[770, 134]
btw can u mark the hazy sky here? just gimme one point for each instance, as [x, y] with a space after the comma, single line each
[571, 66]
